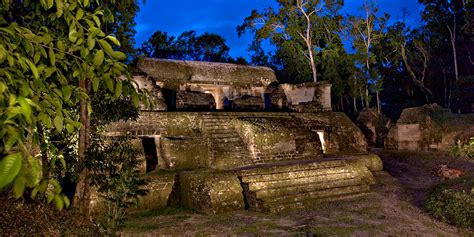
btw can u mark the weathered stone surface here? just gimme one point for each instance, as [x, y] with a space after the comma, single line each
[211, 192]
[173, 73]
[227, 148]
[429, 127]
[159, 186]
[374, 125]
[277, 187]
[180, 153]
[278, 139]
[309, 97]
[248, 103]
[190, 100]
[341, 134]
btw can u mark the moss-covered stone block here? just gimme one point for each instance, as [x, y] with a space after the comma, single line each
[277, 139]
[181, 153]
[211, 192]
[371, 161]
[159, 188]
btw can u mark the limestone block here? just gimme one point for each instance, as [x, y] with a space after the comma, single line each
[371, 161]
[211, 192]
[159, 188]
[409, 132]
[184, 152]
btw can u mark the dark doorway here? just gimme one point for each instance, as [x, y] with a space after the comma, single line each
[267, 101]
[149, 147]
[170, 98]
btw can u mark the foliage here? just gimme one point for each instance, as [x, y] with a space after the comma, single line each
[300, 31]
[114, 166]
[463, 150]
[46, 49]
[453, 206]
[187, 46]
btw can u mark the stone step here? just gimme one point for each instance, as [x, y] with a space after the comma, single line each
[315, 195]
[308, 203]
[295, 166]
[219, 136]
[271, 194]
[295, 174]
[256, 186]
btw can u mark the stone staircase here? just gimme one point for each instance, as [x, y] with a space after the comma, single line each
[280, 187]
[226, 146]
[227, 149]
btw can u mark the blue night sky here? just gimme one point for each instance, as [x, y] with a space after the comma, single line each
[223, 16]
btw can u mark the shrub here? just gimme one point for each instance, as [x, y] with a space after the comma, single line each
[454, 205]
[464, 150]
[114, 171]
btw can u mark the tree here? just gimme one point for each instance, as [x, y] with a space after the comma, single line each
[187, 46]
[52, 55]
[295, 27]
[365, 32]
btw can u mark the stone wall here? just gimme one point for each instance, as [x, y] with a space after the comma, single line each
[278, 139]
[309, 97]
[211, 140]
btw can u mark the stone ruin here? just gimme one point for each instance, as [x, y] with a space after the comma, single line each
[429, 127]
[228, 137]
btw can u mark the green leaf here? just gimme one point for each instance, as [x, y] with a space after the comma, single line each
[25, 107]
[113, 40]
[95, 84]
[119, 55]
[99, 58]
[19, 186]
[45, 119]
[135, 99]
[9, 168]
[79, 14]
[58, 123]
[67, 203]
[66, 93]
[118, 89]
[72, 35]
[52, 57]
[106, 46]
[96, 20]
[109, 83]
[33, 68]
[58, 202]
[50, 4]
[90, 42]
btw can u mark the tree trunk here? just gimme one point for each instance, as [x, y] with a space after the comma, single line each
[354, 101]
[82, 194]
[378, 101]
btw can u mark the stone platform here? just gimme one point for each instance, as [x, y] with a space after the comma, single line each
[268, 188]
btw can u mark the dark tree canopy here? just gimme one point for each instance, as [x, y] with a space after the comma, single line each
[188, 46]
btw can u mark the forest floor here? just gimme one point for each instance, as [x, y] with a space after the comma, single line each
[393, 207]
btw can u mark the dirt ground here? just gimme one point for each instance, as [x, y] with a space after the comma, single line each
[392, 208]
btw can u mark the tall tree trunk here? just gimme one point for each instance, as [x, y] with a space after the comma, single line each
[378, 101]
[82, 194]
[452, 36]
[354, 101]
